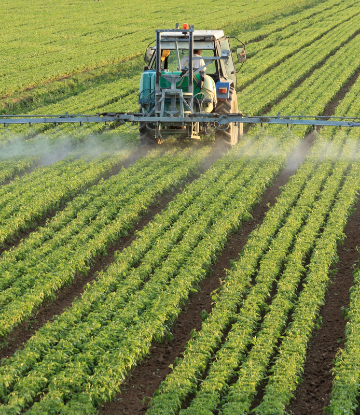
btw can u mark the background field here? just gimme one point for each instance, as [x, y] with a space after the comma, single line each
[186, 279]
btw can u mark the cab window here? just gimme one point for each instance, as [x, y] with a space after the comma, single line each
[173, 63]
[229, 65]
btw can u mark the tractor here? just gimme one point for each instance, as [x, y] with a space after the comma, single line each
[206, 84]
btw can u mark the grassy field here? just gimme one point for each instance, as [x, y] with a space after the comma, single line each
[105, 247]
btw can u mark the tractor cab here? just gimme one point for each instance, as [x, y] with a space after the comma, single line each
[177, 83]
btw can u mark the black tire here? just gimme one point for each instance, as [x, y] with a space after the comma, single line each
[147, 135]
[229, 135]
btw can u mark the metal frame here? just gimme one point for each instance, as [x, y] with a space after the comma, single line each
[162, 93]
[216, 119]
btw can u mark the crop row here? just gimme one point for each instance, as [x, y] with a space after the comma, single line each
[43, 271]
[281, 45]
[199, 352]
[104, 310]
[321, 88]
[155, 319]
[345, 389]
[119, 95]
[346, 372]
[314, 82]
[271, 28]
[273, 85]
[291, 354]
[304, 19]
[129, 313]
[29, 198]
[82, 212]
[287, 368]
[58, 57]
[253, 369]
[131, 255]
[11, 168]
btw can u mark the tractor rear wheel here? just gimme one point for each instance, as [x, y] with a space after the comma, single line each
[147, 135]
[228, 133]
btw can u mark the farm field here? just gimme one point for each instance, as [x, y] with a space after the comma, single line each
[188, 278]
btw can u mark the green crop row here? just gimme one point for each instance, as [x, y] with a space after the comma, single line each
[346, 372]
[84, 214]
[108, 309]
[270, 87]
[92, 99]
[79, 213]
[345, 388]
[253, 369]
[184, 379]
[321, 88]
[288, 365]
[156, 319]
[27, 284]
[288, 23]
[105, 34]
[94, 296]
[10, 168]
[29, 198]
[141, 308]
[119, 95]
[347, 107]
[280, 46]
[241, 334]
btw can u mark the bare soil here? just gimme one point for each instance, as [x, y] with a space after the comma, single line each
[331, 106]
[143, 380]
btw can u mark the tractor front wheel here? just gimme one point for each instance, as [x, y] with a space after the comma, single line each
[228, 133]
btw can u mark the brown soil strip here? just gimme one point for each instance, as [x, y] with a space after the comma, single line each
[313, 394]
[143, 380]
[332, 105]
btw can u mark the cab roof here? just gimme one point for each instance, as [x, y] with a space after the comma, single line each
[198, 34]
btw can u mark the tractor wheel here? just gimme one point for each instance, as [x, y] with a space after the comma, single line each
[147, 136]
[229, 135]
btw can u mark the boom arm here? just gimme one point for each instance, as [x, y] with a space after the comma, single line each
[218, 120]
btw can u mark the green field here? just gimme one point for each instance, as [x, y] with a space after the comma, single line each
[71, 195]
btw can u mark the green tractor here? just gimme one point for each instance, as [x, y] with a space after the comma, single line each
[189, 73]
